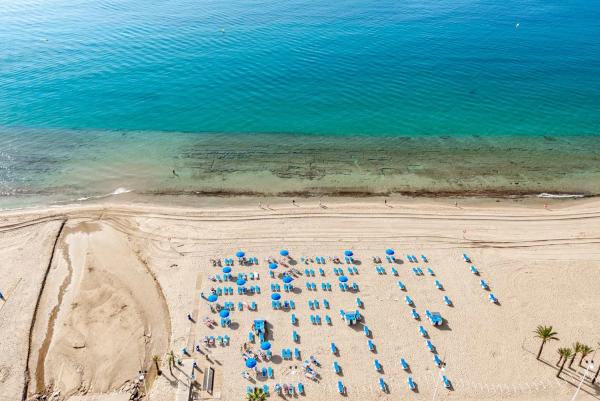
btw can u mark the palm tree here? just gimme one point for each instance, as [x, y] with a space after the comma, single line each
[576, 349]
[156, 360]
[171, 361]
[585, 351]
[545, 334]
[560, 356]
[257, 395]
[565, 353]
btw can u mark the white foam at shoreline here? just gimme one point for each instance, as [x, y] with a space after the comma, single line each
[559, 196]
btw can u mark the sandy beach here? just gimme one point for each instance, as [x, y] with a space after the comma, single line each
[93, 292]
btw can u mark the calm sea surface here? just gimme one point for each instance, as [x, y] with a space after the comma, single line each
[292, 96]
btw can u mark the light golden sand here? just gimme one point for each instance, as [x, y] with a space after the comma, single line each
[113, 315]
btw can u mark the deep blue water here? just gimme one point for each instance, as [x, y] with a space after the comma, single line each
[282, 96]
[374, 67]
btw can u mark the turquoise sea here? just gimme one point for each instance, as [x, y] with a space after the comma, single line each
[297, 96]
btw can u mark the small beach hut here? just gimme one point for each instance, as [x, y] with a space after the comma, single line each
[260, 326]
[350, 318]
[435, 318]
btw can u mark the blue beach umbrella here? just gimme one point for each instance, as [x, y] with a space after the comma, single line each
[224, 313]
[284, 252]
[343, 279]
[265, 346]
[275, 297]
[348, 253]
[389, 252]
[240, 254]
[273, 266]
[287, 279]
[240, 281]
[212, 298]
[227, 269]
[250, 363]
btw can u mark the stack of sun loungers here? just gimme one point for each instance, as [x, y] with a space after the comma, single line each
[309, 272]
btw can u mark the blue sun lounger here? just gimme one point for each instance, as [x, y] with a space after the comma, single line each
[296, 353]
[295, 337]
[270, 372]
[326, 303]
[438, 285]
[371, 345]
[321, 272]
[466, 258]
[293, 319]
[422, 331]
[366, 331]
[359, 303]
[408, 300]
[350, 271]
[328, 286]
[292, 304]
[264, 372]
[437, 360]
[316, 303]
[403, 364]
[415, 271]
[354, 287]
[336, 367]
[328, 319]
[483, 284]
[251, 336]
[334, 349]
[430, 271]
[474, 270]
[414, 314]
[340, 387]
[401, 285]
[265, 389]
[382, 385]
[411, 383]
[493, 298]
[300, 388]
[377, 365]
[312, 319]
[248, 389]
[310, 304]
[394, 271]
[318, 319]
[430, 346]
[424, 259]
[446, 382]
